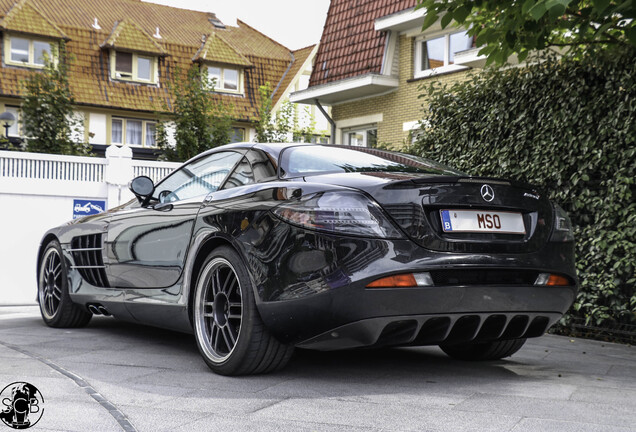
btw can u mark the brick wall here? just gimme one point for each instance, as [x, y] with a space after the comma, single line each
[399, 106]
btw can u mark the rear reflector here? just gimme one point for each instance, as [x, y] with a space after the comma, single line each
[403, 281]
[552, 280]
[556, 280]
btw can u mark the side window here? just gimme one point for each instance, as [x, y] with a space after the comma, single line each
[198, 178]
[242, 175]
[262, 165]
[255, 167]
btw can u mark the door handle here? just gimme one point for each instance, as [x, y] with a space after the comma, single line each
[163, 207]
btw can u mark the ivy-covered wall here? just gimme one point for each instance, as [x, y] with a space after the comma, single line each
[569, 127]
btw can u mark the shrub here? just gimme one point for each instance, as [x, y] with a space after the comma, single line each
[569, 127]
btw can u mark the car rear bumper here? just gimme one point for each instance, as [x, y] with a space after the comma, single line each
[317, 285]
[417, 330]
[356, 316]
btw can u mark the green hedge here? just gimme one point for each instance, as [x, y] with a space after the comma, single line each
[569, 127]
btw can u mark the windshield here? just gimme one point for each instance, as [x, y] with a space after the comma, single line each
[312, 160]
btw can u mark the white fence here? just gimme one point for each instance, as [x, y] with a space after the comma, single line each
[51, 167]
[37, 192]
[155, 170]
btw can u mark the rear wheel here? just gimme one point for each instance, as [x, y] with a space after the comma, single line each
[229, 331]
[494, 350]
[56, 306]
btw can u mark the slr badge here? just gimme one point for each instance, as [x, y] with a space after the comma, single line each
[487, 193]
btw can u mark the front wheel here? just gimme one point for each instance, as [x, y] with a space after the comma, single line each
[494, 350]
[56, 306]
[229, 331]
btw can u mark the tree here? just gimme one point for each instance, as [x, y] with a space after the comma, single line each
[49, 122]
[285, 126]
[202, 121]
[506, 27]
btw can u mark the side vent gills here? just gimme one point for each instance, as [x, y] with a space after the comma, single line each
[87, 254]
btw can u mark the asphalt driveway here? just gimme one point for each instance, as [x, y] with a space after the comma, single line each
[117, 376]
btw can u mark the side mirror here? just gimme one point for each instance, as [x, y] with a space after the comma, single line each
[142, 187]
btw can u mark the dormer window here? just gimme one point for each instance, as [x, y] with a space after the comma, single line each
[28, 52]
[128, 66]
[225, 79]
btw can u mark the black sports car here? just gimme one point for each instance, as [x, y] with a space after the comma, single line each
[259, 248]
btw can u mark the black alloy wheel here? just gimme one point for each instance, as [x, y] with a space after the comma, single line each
[56, 306]
[228, 329]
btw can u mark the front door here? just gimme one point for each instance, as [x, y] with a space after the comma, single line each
[146, 247]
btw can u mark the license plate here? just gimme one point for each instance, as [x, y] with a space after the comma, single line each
[482, 221]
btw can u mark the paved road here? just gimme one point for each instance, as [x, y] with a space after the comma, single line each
[116, 376]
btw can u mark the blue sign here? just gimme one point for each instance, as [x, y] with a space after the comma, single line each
[83, 208]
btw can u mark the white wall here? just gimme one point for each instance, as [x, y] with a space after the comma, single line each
[37, 193]
[25, 219]
[97, 128]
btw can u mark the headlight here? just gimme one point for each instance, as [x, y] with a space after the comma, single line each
[348, 213]
[561, 226]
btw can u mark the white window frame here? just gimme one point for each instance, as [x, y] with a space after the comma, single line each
[134, 75]
[364, 129]
[420, 41]
[31, 63]
[144, 127]
[220, 86]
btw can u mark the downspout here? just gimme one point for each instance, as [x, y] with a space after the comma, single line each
[329, 119]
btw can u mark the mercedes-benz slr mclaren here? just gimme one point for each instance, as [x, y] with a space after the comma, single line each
[260, 248]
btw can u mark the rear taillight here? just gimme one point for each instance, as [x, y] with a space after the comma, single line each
[561, 226]
[347, 213]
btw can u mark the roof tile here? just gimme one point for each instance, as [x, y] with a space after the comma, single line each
[215, 49]
[349, 45]
[181, 31]
[129, 36]
[25, 18]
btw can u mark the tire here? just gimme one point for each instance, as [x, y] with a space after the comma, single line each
[56, 306]
[494, 350]
[229, 332]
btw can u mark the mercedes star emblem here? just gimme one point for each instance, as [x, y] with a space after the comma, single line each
[487, 193]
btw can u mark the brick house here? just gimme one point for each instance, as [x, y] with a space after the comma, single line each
[126, 51]
[371, 60]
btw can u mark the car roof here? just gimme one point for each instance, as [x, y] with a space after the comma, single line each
[273, 149]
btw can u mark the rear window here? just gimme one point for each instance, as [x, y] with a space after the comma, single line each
[312, 160]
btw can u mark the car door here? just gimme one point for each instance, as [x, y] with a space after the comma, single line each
[146, 246]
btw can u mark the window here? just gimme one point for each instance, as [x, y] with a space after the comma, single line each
[361, 137]
[255, 167]
[238, 135]
[198, 178]
[437, 54]
[27, 52]
[225, 79]
[134, 132]
[133, 67]
[151, 131]
[315, 159]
